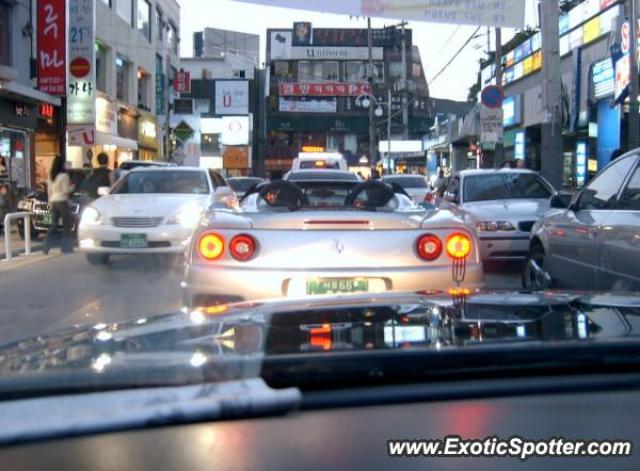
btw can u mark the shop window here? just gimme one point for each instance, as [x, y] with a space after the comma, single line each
[320, 71]
[209, 144]
[395, 70]
[203, 105]
[14, 153]
[123, 68]
[5, 33]
[172, 38]
[159, 25]
[124, 8]
[281, 70]
[101, 68]
[355, 71]
[143, 18]
[144, 90]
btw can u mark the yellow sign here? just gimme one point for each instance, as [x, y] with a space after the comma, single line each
[148, 131]
[591, 30]
[527, 67]
[312, 149]
[593, 165]
[537, 61]
[236, 157]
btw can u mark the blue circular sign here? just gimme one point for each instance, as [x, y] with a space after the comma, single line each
[492, 96]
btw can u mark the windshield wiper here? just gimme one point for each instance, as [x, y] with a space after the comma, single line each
[63, 416]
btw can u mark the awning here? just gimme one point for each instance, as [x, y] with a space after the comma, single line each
[29, 94]
[103, 138]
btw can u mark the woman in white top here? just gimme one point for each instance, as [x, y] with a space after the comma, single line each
[59, 188]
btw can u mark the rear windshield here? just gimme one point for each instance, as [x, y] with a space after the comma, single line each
[505, 186]
[407, 182]
[326, 194]
[321, 175]
[243, 184]
[163, 182]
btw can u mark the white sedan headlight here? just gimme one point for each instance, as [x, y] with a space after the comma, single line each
[188, 217]
[90, 217]
[494, 226]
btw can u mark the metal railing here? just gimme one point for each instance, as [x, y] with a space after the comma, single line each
[7, 233]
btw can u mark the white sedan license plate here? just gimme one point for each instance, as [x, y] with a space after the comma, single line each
[133, 241]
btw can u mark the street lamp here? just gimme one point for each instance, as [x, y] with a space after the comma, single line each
[366, 100]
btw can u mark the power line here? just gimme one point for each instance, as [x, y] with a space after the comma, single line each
[466, 43]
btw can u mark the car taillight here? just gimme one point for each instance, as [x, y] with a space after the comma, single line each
[458, 246]
[242, 247]
[211, 246]
[429, 247]
[428, 198]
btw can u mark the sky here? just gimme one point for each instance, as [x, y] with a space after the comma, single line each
[438, 43]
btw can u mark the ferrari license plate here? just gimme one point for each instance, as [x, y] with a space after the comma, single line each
[337, 285]
[133, 241]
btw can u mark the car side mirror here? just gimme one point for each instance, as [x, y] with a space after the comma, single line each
[103, 191]
[560, 201]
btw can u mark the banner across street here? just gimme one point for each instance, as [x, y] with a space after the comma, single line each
[497, 13]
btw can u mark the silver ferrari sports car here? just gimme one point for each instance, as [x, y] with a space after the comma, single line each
[326, 232]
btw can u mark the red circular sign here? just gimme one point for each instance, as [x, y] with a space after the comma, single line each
[80, 67]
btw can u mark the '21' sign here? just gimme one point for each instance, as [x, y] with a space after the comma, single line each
[52, 47]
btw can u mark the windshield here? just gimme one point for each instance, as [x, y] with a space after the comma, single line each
[407, 182]
[243, 184]
[324, 194]
[162, 182]
[505, 186]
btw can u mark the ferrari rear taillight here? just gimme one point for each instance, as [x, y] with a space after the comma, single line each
[242, 247]
[459, 246]
[429, 247]
[211, 246]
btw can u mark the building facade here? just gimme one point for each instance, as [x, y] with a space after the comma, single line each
[136, 60]
[320, 86]
[216, 118]
[593, 125]
[214, 42]
[30, 121]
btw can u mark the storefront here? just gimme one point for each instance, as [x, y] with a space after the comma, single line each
[147, 137]
[236, 160]
[115, 134]
[18, 123]
[47, 142]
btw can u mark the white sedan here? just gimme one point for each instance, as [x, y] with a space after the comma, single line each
[150, 210]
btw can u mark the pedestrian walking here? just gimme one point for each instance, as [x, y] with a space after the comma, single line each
[440, 184]
[100, 176]
[59, 188]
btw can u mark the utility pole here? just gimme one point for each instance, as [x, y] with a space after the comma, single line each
[405, 90]
[633, 136]
[372, 128]
[389, 97]
[551, 152]
[498, 156]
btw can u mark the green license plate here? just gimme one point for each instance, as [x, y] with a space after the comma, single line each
[133, 241]
[337, 285]
[47, 219]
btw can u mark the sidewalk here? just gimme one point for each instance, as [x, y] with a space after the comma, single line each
[17, 244]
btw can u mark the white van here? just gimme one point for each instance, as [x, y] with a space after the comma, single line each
[319, 160]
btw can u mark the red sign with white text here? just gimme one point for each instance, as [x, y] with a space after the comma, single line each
[324, 89]
[182, 82]
[52, 69]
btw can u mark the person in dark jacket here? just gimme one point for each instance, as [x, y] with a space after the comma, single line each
[100, 176]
